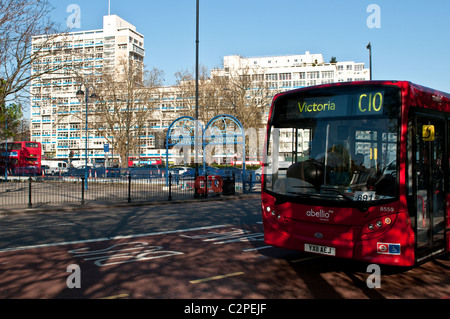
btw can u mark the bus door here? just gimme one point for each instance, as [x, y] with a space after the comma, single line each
[430, 186]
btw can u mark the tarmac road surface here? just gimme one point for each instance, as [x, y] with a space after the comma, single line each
[204, 250]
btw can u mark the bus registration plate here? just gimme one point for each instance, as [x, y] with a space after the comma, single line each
[324, 250]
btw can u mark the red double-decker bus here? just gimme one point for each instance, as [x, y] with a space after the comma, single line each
[147, 160]
[359, 170]
[20, 157]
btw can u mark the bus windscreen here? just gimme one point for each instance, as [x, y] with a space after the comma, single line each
[334, 141]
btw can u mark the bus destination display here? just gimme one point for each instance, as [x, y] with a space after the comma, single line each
[365, 103]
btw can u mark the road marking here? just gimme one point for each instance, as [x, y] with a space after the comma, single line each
[232, 236]
[108, 238]
[215, 278]
[120, 254]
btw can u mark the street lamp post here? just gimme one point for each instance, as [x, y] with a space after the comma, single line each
[80, 95]
[196, 92]
[2, 84]
[7, 152]
[369, 47]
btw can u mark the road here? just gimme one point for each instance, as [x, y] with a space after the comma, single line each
[211, 249]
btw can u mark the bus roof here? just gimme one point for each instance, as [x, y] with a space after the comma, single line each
[416, 94]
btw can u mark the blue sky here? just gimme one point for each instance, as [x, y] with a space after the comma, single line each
[412, 42]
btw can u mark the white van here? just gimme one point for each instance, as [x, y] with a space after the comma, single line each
[81, 164]
[54, 167]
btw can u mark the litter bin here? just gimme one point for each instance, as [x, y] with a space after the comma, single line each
[228, 185]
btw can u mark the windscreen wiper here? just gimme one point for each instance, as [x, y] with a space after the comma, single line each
[362, 206]
[330, 189]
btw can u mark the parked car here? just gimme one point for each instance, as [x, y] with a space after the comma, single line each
[208, 170]
[180, 170]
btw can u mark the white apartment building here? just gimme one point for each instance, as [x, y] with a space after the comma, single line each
[86, 54]
[91, 53]
[282, 73]
[293, 71]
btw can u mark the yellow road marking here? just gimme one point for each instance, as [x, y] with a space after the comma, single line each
[305, 259]
[216, 277]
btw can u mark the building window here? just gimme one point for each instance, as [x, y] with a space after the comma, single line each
[272, 77]
[313, 75]
[298, 83]
[327, 74]
[285, 76]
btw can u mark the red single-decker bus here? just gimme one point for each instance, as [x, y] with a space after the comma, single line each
[359, 170]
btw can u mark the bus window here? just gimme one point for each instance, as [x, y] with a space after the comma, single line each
[15, 146]
[32, 145]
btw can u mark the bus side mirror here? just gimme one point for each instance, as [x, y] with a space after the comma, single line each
[428, 133]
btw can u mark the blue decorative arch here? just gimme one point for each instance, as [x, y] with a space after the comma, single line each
[213, 134]
[181, 132]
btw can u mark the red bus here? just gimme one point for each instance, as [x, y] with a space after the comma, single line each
[367, 175]
[17, 157]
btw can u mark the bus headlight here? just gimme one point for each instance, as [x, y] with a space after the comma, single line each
[377, 226]
[271, 213]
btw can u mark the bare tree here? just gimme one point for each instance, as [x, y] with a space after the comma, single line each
[242, 94]
[211, 99]
[185, 90]
[247, 97]
[20, 21]
[125, 106]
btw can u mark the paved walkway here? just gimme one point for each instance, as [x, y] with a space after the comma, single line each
[64, 207]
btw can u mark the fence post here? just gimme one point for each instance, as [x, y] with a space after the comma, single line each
[29, 192]
[206, 184]
[244, 182]
[129, 188]
[170, 186]
[234, 184]
[82, 190]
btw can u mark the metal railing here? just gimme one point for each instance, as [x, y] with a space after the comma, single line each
[27, 192]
